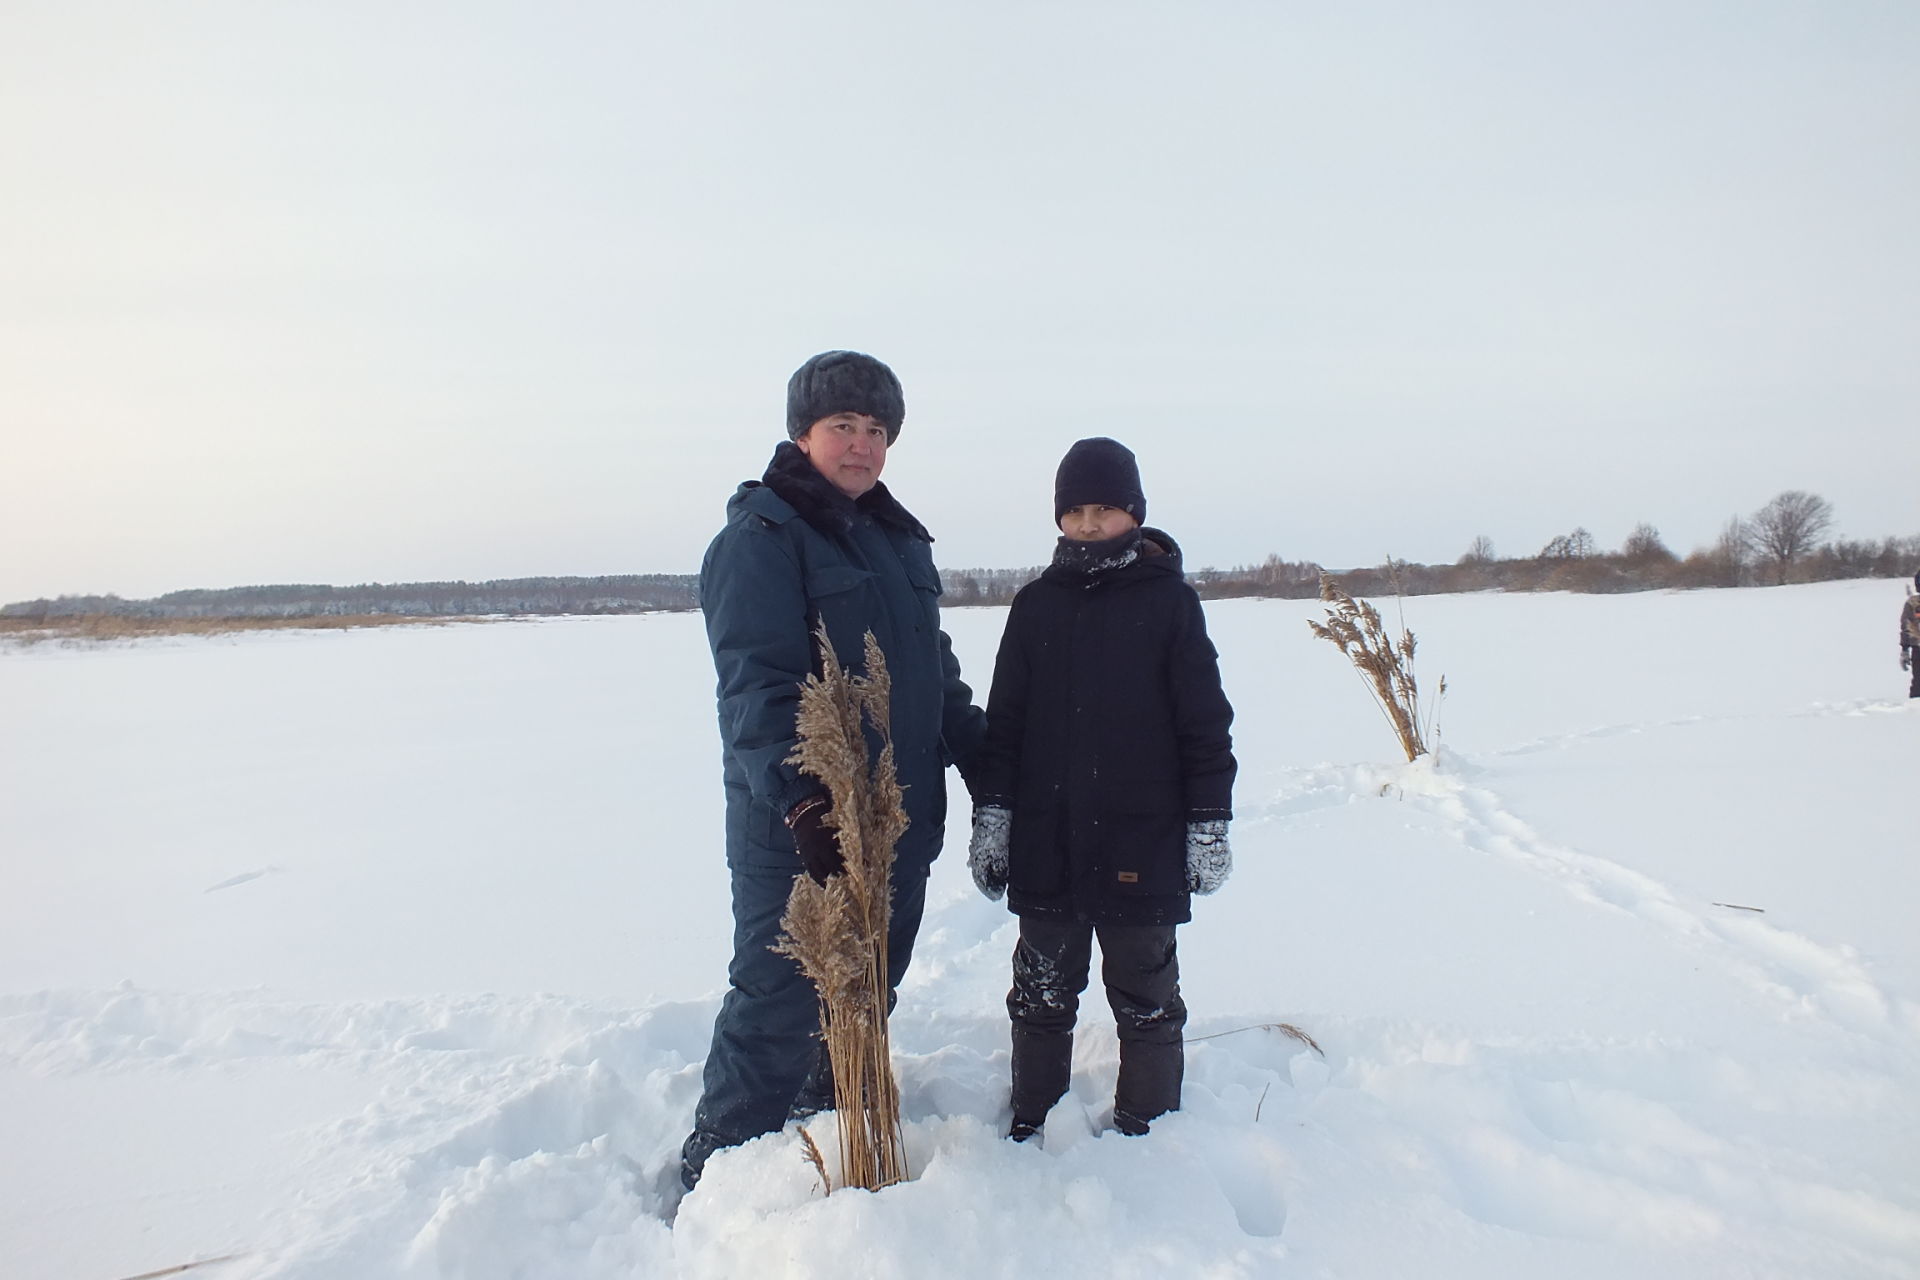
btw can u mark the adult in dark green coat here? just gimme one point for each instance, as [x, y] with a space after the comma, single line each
[817, 539]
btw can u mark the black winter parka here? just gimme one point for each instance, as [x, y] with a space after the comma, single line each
[1107, 733]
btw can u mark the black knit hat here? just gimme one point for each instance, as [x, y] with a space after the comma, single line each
[844, 382]
[1099, 471]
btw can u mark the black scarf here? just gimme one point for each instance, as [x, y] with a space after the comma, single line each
[1091, 559]
[794, 479]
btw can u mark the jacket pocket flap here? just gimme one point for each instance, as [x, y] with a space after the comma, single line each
[923, 576]
[832, 579]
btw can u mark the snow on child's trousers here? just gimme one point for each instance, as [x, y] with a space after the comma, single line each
[1141, 969]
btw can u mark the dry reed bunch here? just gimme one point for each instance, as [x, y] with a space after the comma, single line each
[1354, 626]
[837, 931]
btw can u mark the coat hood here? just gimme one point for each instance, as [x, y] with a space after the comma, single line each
[1159, 542]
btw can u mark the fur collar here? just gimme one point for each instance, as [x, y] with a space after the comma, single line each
[794, 481]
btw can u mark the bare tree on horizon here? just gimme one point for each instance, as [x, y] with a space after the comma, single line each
[1788, 527]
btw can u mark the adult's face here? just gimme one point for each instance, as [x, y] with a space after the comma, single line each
[849, 449]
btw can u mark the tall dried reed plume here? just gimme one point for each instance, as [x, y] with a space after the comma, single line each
[837, 932]
[1386, 668]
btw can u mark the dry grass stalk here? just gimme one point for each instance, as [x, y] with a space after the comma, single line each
[1285, 1028]
[1354, 626]
[1289, 1029]
[818, 1161]
[837, 932]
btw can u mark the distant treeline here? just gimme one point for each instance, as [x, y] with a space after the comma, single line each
[1777, 544]
[1569, 563]
[1590, 572]
[617, 593]
[1274, 577]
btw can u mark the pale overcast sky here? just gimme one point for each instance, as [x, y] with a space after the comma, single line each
[343, 292]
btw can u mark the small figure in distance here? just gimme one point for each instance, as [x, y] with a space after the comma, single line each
[1910, 636]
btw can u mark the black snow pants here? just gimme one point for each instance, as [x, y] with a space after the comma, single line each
[1141, 970]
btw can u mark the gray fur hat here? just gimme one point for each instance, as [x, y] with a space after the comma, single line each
[844, 382]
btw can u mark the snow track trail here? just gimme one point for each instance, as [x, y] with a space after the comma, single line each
[1822, 979]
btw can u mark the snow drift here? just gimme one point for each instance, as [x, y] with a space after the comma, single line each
[394, 953]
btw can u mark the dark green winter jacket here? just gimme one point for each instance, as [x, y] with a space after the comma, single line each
[796, 550]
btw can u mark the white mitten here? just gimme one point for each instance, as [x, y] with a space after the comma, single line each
[1209, 856]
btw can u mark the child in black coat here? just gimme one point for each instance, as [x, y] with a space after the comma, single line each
[1105, 789]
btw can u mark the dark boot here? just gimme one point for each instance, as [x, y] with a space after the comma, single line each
[1042, 1066]
[700, 1144]
[1150, 1079]
[1142, 972]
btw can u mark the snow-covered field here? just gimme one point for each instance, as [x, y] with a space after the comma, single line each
[394, 953]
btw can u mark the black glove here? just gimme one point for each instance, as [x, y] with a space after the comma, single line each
[817, 843]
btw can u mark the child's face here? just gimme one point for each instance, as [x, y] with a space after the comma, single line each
[1095, 522]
